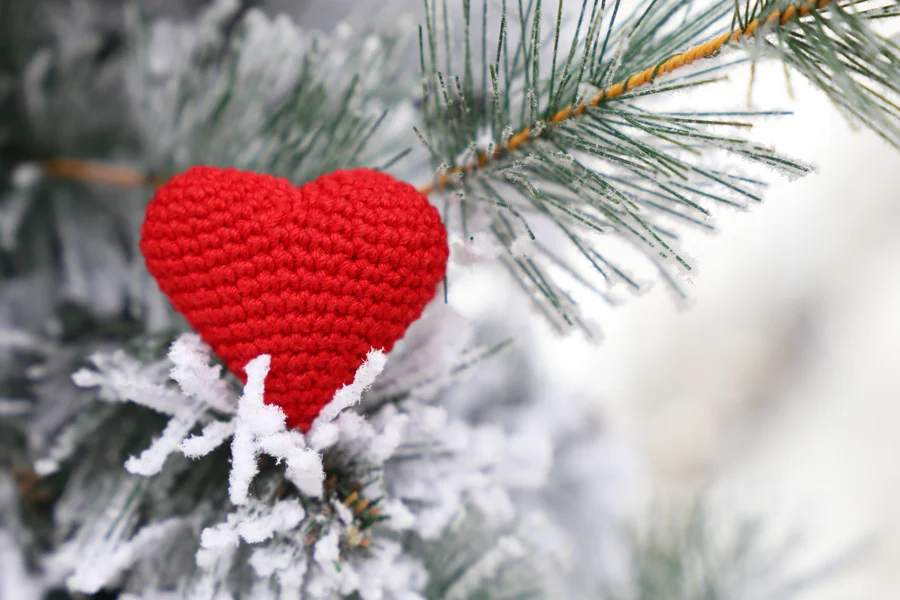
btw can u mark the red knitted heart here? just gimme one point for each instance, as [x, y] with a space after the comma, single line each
[315, 276]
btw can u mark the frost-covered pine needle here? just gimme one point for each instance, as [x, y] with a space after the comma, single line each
[591, 167]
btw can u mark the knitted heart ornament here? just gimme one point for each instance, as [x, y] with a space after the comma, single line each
[316, 276]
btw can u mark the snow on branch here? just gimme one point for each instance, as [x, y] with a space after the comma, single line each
[16, 579]
[261, 428]
[254, 524]
[324, 432]
[254, 426]
[125, 379]
[91, 576]
[397, 467]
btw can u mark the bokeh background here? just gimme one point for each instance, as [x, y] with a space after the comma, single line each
[776, 393]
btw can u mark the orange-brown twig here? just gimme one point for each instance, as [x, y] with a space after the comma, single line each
[94, 172]
[638, 79]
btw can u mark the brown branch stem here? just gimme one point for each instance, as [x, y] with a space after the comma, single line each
[95, 172]
[646, 76]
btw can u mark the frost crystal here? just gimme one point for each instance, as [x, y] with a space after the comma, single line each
[261, 428]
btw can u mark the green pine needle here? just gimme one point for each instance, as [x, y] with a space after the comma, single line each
[569, 146]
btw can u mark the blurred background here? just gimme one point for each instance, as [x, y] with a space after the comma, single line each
[775, 394]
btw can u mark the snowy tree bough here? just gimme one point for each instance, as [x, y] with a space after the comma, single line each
[648, 75]
[333, 518]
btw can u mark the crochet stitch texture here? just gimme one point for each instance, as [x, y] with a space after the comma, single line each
[315, 276]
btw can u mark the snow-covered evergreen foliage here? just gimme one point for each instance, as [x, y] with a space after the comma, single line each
[396, 499]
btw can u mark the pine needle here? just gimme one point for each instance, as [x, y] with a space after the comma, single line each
[606, 163]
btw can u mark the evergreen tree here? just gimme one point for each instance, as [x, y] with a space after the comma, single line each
[133, 465]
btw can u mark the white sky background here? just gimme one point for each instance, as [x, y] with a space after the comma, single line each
[778, 388]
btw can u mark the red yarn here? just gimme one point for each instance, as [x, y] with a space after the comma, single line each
[315, 276]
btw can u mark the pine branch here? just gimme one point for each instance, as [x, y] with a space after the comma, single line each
[233, 88]
[390, 484]
[608, 166]
[709, 48]
[267, 96]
